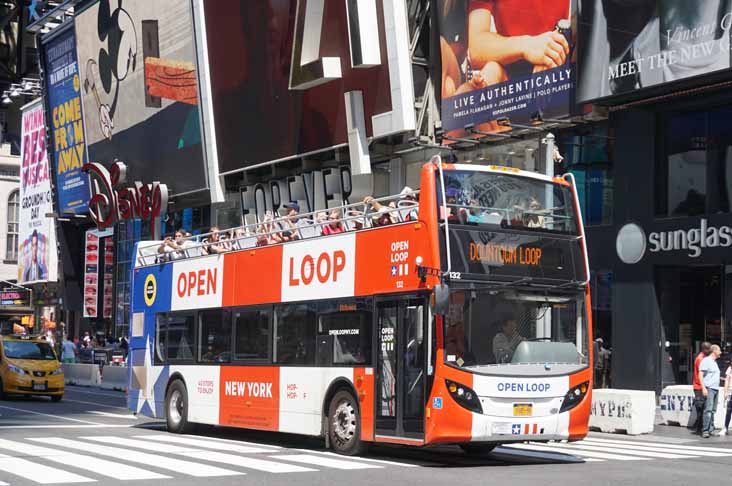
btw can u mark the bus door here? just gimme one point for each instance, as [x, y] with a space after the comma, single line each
[401, 364]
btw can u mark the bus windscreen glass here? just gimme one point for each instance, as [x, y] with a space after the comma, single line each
[521, 333]
[507, 201]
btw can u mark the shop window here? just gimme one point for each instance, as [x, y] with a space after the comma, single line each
[11, 249]
[344, 332]
[295, 334]
[251, 334]
[214, 336]
[694, 169]
[587, 156]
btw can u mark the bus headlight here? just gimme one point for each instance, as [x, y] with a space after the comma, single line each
[464, 396]
[574, 396]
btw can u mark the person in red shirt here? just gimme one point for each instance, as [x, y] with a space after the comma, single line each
[498, 36]
[698, 395]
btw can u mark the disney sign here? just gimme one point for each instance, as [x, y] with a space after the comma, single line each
[110, 202]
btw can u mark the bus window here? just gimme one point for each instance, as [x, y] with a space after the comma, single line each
[295, 334]
[214, 336]
[251, 340]
[175, 337]
[349, 324]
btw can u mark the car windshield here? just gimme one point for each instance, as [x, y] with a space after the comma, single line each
[507, 201]
[28, 350]
[488, 332]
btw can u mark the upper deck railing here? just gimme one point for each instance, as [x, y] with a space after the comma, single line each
[370, 213]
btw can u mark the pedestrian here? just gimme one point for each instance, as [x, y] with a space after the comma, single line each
[68, 351]
[698, 396]
[709, 378]
[599, 364]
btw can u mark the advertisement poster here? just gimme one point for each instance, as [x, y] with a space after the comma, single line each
[67, 124]
[98, 272]
[649, 43]
[504, 59]
[37, 257]
[137, 68]
[252, 53]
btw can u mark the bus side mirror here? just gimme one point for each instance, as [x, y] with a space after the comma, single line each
[441, 299]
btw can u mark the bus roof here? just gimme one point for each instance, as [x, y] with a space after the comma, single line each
[499, 169]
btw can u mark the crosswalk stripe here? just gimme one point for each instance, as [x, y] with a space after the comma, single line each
[246, 462]
[39, 472]
[367, 459]
[616, 450]
[162, 462]
[315, 460]
[82, 461]
[540, 454]
[238, 442]
[114, 415]
[661, 444]
[660, 448]
[574, 452]
[139, 444]
[206, 444]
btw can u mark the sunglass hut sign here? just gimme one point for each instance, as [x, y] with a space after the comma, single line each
[632, 243]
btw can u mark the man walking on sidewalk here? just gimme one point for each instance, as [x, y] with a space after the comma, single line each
[709, 378]
[698, 396]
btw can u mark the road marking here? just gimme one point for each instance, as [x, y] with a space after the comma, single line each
[618, 450]
[237, 442]
[664, 445]
[139, 444]
[246, 462]
[66, 426]
[699, 451]
[206, 444]
[87, 392]
[95, 404]
[113, 415]
[100, 466]
[378, 461]
[39, 472]
[325, 461]
[177, 465]
[574, 452]
[550, 456]
[60, 417]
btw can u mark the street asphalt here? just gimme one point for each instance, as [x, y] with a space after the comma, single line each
[91, 437]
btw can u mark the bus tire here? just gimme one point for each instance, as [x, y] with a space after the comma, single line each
[478, 450]
[176, 408]
[344, 424]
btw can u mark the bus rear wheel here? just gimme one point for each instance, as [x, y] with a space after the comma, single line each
[344, 424]
[176, 408]
[478, 450]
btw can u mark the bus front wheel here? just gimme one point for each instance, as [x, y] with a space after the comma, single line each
[344, 424]
[176, 408]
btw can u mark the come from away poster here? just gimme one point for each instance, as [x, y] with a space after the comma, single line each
[67, 125]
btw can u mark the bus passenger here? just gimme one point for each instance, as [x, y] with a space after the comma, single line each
[291, 223]
[335, 225]
[175, 249]
[380, 214]
[409, 204]
[214, 244]
[321, 220]
[506, 341]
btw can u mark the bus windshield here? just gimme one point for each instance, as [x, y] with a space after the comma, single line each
[508, 201]
[488, 332]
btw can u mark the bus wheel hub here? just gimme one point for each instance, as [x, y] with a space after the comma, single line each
[344, 421]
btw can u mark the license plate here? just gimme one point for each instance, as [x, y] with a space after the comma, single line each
[523, 409]
[39, 386]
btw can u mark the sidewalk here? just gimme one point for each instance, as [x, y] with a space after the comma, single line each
[676, 433]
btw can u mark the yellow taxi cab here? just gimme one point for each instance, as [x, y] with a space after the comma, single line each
[29, 366]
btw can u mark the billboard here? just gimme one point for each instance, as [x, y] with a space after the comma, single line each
[37, 254]
[280, 89]
[98, 273]
[504, 59]
[139, 90]
[63, 88]
[627, 46]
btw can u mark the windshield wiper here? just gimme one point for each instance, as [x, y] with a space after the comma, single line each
[516, 282]
[571, 283]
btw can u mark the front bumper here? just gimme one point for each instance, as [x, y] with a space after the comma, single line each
[31, 385]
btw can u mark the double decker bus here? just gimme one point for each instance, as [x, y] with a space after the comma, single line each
[458, 314]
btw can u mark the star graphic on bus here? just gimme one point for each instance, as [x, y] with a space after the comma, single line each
[516, 429]
[393, 270]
